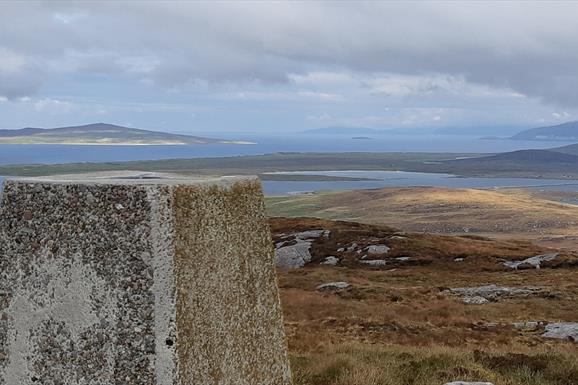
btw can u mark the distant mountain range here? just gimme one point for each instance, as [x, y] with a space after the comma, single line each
[101, 133]
[566, 131]
[463, 131]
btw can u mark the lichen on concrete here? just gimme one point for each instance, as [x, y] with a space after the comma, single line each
[130, 280]
[226, 288]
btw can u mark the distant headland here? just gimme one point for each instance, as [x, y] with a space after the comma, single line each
[103, 134]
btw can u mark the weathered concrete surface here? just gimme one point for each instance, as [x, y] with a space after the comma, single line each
[138, 279]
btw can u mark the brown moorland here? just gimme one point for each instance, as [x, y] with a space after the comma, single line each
[396, 325]
[504, 213]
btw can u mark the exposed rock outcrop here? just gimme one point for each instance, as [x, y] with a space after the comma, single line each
[475, 300]
[475, 295]
[333, 286]
[532, 262]
[374, 262]
[294, 253]
[528, 325]
[468, 383]
[377, 249]
[562, 330]
[330, 261]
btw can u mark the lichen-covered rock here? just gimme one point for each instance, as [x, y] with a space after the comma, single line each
[532, 262]
[352, 247]
[528, 325]
[296, 253]
[333, 286]
[330, 261]
[312, 234]
[373, 262]
[468, 383]
[377, 249]
[293, 256]
[562, 331]
[494, 292]
[474, 300]
[119, 279]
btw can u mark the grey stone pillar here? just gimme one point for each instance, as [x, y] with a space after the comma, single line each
[138, 279]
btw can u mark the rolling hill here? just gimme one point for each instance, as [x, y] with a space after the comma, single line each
[100, 133]
[571, 149]
[523, 163]
[565, 131]
[499, 213]
[544, 158]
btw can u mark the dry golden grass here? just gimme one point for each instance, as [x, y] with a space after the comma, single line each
[499, 213]
[395, 326]
[364, 364]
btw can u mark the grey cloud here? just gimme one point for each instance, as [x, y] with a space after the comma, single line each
[12, 87]
[18, 76]
[531, 48]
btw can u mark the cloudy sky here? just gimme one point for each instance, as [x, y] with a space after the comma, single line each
[278, 67]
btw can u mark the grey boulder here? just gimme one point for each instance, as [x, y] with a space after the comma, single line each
[297, 254]
[377, 249]
[333, 286]
[562, 331]
[494, 292]
[468, 383]
[528, 325]
[534, 261]
[475, 300]
[374, 262]
[330, 261]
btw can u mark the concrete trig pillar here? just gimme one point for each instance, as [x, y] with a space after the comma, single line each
[131, 278]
